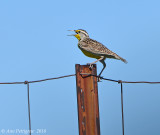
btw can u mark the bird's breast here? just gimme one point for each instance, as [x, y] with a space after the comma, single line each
[88, 54]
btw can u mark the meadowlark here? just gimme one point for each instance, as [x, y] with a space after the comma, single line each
[94, 49]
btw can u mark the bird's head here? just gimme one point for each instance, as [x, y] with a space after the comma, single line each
[80, 34]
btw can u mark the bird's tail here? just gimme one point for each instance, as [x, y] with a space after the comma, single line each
[124, 60]
[120, 58]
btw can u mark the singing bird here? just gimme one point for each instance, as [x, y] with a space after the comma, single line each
[94, 49]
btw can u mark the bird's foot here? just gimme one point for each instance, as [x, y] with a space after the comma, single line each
[99, 79]
[90, 66]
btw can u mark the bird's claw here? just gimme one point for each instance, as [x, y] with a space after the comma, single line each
[99, 79]
[90, 65]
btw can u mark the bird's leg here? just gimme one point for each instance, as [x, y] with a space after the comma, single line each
[104, 66]
[91, 64]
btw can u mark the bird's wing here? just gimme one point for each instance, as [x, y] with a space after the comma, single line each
[95, 47]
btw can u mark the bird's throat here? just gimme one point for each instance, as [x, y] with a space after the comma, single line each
[78, 37]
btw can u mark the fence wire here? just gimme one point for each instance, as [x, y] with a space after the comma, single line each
[86, 75]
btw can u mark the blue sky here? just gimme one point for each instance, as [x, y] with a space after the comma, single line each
[34, 45]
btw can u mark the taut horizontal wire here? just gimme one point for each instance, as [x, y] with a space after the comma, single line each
[52, 78]
[86, 75]
[12, 82]
[141, 82]
[25, 82]
[118, 81]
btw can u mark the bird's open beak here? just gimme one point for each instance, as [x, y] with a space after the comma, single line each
[71, 34]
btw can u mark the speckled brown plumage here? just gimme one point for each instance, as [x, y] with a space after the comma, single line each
[96, 48]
